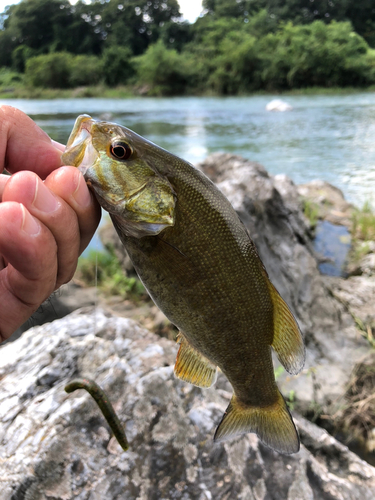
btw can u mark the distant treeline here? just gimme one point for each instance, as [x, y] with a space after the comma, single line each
[238, 46]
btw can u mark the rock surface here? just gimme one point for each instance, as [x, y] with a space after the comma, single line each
[65, 300]
[329, 200]
[361, 304]
[56, 446]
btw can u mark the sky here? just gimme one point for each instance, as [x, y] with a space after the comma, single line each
[189, 8]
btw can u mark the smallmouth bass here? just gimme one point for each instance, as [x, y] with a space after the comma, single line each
[200, 267]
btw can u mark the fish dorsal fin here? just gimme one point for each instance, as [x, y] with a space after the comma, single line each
[191, 366]
[287, 337]
[272, 424]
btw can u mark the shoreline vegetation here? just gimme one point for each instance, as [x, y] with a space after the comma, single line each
[125, 48]
[127, 91]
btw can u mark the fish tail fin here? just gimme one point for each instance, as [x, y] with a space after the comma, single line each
[273, 425]
[287, 340]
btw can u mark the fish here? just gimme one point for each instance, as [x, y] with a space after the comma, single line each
[199, 265]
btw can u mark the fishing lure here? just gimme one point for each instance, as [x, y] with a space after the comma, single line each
[105, 407]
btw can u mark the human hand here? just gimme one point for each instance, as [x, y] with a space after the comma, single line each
[47, 218]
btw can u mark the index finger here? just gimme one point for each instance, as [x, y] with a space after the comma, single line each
[24, 145]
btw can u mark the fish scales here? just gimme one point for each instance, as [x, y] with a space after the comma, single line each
[199, 265]
[210, 275]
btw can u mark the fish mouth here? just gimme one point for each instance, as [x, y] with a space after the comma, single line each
[79, 150]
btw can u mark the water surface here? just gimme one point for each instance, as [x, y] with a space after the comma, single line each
[323, 137]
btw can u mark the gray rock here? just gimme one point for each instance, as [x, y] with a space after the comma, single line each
[65, 300]
[361, 303]
[58, 446]
[329, 200]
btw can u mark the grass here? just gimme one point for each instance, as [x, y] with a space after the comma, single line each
[363, 223]
[362, 232]
[359, 250]
[103, 269]
[24, 92]
[366, 330]
[291, 400]
[311, 212]
[358, 412]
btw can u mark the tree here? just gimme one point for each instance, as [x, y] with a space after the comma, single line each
[39, 23]
[49, 70]
[136, 23]
[165, 70]
[51, 25]
[117, 65]
[361, 13]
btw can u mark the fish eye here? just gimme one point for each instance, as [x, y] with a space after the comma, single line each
[120, 150]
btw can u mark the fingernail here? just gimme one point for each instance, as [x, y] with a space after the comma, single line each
[44, 200]
[82, 194]
[29, 224]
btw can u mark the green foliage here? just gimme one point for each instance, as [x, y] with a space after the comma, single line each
[175, 35]
[360, 13]
[6, 47]
[225, 8]
[136, 23]
[63, 70]
[241, 57]
[291, 400]
[9, 78]
[103, 269]
[51, 25]
[363, 223]
[311, 212]
[315, 54]
[165, 70]
[19, 57]
[85, 70]
[278, 372]
[366, 330]
[236, 65]
[50, 70]
[118, 66]
[39, 23]
[239, 46]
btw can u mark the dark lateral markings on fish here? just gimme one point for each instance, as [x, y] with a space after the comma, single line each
[201, 268]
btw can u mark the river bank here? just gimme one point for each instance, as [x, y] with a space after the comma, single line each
[127, 91]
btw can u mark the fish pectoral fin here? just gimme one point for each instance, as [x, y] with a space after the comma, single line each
[191, 366]
[273, 425]
[287, 337]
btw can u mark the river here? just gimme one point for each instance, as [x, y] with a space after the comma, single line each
[322, 137]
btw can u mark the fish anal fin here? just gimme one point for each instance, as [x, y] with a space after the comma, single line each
[191, 366]
[273, 425]
[287, 338]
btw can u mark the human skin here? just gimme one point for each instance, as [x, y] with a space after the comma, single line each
[47, 218]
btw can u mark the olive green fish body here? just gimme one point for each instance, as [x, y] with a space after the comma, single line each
[201, 268]
[206, 276]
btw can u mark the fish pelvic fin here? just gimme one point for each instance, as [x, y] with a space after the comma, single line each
[191, 366]
[287, 337]
[272, 424]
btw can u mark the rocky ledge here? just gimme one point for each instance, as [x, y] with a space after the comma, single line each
[58, 446]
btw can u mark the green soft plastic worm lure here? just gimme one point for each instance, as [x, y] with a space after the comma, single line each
[104, 404]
